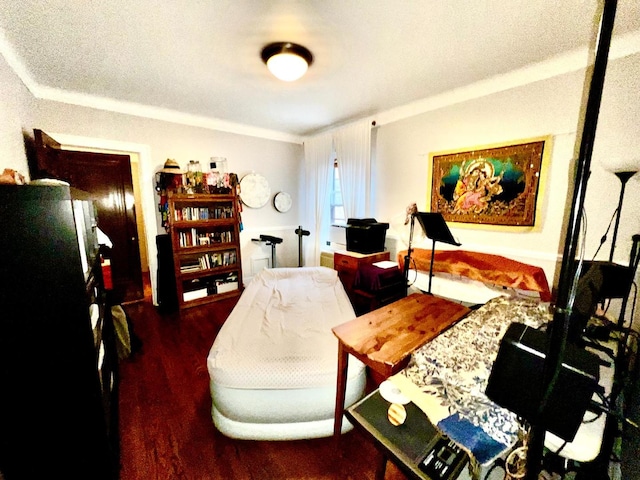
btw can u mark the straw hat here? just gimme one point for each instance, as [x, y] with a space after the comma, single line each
[171, 166]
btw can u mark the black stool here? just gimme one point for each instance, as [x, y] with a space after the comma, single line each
[269, 240]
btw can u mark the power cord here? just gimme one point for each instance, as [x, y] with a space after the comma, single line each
[596, 407]
[604, 237]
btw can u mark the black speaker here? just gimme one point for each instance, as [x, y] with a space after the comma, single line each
[167, 291]
[616, 279]
[515, 382]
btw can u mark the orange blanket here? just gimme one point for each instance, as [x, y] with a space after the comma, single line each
[483, 267]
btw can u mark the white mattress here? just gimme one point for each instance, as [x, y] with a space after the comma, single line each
[279, 333]
[273, 365]
[281, 414]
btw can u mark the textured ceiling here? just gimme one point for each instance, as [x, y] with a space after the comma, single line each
[202, 58]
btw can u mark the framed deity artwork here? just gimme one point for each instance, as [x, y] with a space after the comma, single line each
[490, 185]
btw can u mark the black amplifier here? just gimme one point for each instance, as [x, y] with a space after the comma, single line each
[516, 379]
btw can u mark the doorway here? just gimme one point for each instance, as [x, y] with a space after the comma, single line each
[108, 177]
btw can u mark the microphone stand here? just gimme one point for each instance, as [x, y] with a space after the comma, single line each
[301, 233]
[407, 257]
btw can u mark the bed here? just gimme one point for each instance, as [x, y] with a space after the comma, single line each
[273, 367]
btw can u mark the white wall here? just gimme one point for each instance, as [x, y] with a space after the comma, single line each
[549, 107]
[15, 116]
[277, 161]
[401, 154]
[156, 140]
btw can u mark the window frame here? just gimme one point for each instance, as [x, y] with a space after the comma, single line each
[336, 202]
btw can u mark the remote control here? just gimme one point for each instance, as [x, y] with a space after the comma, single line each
[444, 460]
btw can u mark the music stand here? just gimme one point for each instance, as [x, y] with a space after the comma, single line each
[436, 229]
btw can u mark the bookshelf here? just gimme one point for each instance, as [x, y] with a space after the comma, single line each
[205, 237]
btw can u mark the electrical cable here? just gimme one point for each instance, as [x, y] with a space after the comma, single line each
[567, 311]
[576, 277]
[624, 340]
[603, 239]
[415, 268]
[557, 452]
[633, 304]
[591, 420]
[617, 415]
[606, 399]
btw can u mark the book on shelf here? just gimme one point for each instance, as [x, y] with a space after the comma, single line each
[197, 237]
[190, 268]
[194, 294]
[203, 213]
[223, 287]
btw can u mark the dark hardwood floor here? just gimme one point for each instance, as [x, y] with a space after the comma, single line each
[165, 421]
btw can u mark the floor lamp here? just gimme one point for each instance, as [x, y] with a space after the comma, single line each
[624, 170]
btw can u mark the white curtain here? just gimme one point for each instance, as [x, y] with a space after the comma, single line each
[353, 151]
[318, 167]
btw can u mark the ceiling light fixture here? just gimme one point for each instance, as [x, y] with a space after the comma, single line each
[286, 61]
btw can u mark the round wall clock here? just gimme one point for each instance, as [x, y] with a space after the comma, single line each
[254, 190]
[282, 202]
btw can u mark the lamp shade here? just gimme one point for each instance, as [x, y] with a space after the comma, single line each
[286, 61]
[615, 165]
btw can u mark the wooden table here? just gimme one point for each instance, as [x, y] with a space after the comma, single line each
[384, 338]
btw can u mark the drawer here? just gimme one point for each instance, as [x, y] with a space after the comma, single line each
[345, 262]
[378, 257]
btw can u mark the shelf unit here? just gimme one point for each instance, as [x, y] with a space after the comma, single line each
[58, 358]
[205, 238]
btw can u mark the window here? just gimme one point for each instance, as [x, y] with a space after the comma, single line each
[337, 208]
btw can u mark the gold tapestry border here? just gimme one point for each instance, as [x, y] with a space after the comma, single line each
[541, 190]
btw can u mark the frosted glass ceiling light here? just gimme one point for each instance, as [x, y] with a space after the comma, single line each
[286, 61]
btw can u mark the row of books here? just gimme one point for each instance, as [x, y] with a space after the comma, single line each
[204, 213]
[209, 260]
[195, 237]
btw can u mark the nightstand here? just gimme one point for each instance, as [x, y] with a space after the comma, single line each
[347, 263]
[376, 286]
